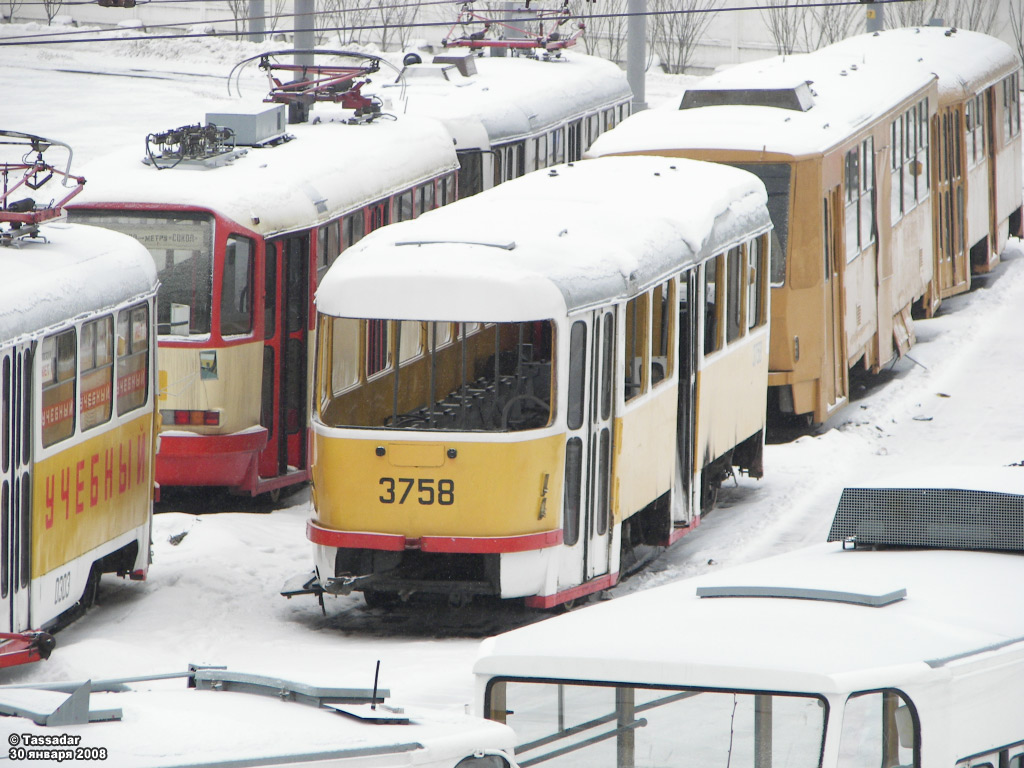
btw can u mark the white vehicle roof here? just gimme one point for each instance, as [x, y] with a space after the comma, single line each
[549, 243]
[167, 724]
[848, 91]
[71, 270]
[510, 96]
[957, 606]
[965, 62]
[328, 169]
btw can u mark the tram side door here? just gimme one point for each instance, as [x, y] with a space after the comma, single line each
[598, 518]
[285, 355]
[835, 372]
[15, 489]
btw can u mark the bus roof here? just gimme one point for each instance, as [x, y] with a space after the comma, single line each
[549, 243]
[327, 170]
[512, 96]
[73, 269]
[841, 94]
[957, 604]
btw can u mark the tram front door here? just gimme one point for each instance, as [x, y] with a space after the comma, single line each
[15, 489]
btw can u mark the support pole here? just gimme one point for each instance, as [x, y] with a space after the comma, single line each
[636, 52]
[875, 21]
[257, 22]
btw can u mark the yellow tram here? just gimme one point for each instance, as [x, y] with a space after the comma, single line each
[515, 393]
[77, 352]
[862, 148]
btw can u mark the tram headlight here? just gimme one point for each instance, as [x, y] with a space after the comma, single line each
[480, 760]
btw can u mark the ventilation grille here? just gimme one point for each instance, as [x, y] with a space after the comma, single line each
[944, 518]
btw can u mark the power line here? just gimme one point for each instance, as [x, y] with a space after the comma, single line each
[55, 38]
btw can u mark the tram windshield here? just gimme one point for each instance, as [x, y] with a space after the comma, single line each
[570, 725]
[489, 377]
[182, 247]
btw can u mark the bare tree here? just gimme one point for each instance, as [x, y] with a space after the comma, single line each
[240, 13]
[977, 15]
[394, 22]
[783, 25]
[350, 17]
[674, 36]
[51, 8]
[828, 24]
[8, 7]
[1017, 25]
[605, 34]
[917, 14]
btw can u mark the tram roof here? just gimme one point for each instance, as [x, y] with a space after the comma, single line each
[74, 270]
[549, 243]
[512, 97]
[965, 62]
[328, 169]
[958, 605]
[848, 91]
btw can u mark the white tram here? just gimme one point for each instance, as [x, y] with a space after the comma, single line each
[77, 306]
[516, 393]
[242, 215]
[223, 718]
[512, 114]
[898, 644]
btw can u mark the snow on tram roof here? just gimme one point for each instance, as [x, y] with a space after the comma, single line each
[513, 97]
[74, 269]
[957, 604]
[965, 62]
[328, 169]
[847, 93]
[548, 243]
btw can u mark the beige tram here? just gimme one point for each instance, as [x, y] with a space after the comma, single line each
[977, 147]
[850, 146]
[517, 391]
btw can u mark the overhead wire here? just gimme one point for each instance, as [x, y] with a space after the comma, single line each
[61, 37]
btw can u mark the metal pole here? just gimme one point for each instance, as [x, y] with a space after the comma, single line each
[636, 52]
[875, 21]
[257, 22]
[303, 40]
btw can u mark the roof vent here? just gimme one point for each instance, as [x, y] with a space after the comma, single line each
[253, 129]
[797, 98]
[466, 64]
[871, 599]
[943, 518]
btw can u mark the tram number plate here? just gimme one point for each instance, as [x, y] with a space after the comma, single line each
[425, 491]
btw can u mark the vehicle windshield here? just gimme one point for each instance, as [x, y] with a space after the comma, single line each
[571, 725]
[182, 247]
[493, 377]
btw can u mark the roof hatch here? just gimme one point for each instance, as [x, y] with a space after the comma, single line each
[798, 97]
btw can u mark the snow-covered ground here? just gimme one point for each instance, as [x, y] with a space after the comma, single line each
[212, 594]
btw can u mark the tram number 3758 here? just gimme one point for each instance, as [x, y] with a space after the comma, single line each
[428, 491]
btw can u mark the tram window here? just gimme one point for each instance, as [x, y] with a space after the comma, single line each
[132, 358]
[344, 354]
[593, 129]
[328, 247]
[6, 408]
[755, 281]
[353, 229]
[577, 370]
[410, 341]
[448, 191]
[378, 347]
[573, 491]
[270, 291]
[879, 728]
[734, 290]
[403, 205]
[712, 310]
[564, 724]
[923, 166]
[574, 139]
[1011, 107]
[58, 380]
[471, 173]
[860, 194]
[425, 197]
[776, 178]
[96, 350]
[635, 371]
[662, 328]
[236, 287]
[896, 161]
[557, 146]
[867, 193]
[5, 526]
[609, 119]
[540, 152]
